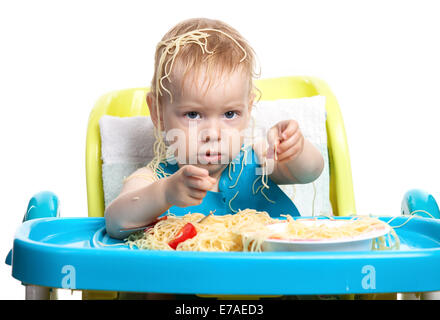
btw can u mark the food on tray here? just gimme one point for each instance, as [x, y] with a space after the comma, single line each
[248, 229]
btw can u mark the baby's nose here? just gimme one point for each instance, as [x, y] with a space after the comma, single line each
[212, 133]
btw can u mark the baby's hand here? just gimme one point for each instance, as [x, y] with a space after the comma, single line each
[287, 139]
[188, 186]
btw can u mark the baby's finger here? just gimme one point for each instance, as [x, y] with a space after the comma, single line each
[290, 129]
[193, 171]
[200, 184]
[272, 135]
[289, 154]
[289, 143]
[196, 193]
[273, 140]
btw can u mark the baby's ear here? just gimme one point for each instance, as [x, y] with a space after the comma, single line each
[251, 101]
[149, 99]
[250, 106]
[151, 102]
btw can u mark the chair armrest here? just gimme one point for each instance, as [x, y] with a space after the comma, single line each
[419, 201]
[44, 204]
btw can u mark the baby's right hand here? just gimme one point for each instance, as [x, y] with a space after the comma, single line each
[188, 186]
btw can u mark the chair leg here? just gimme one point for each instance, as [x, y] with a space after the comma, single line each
[409, 296]
[433, 295]
[99, 295]
[37, 293]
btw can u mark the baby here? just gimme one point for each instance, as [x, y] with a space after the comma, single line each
[200, 102]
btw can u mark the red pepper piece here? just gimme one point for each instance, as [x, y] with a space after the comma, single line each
[154, 223]
[187, 232]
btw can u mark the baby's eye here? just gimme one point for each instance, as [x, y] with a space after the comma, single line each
[230, 114]
[192, 115]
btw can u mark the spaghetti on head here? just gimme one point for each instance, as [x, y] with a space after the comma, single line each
[195, 46]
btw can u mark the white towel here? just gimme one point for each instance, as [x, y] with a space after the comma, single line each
[126, 140]
[113, 175]
[126, 145]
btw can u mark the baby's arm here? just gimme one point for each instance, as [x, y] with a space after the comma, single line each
[141, 200]
[306, 167]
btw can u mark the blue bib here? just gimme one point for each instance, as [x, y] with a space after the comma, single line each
[245, 193]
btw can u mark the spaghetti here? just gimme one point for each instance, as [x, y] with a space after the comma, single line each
[247, 230]
[356, 226]
[215, 233]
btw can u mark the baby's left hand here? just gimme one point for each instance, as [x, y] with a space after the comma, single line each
[287, 138]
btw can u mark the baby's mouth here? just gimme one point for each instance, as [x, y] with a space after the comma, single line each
[210, 157]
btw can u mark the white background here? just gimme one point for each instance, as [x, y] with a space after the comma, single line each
[381, 59]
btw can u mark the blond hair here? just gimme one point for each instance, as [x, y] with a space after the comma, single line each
[202, 44]
[197, 44]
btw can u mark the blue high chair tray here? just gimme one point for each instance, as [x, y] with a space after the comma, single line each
[74, 253]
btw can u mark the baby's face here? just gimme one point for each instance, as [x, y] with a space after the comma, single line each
[206, 125]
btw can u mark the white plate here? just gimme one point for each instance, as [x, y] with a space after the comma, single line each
[361, 242]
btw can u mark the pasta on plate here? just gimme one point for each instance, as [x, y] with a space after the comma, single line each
[247, 230]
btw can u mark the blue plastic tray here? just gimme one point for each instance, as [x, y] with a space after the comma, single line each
[67, 253]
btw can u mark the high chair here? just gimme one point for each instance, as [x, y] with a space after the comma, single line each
[132, 102]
